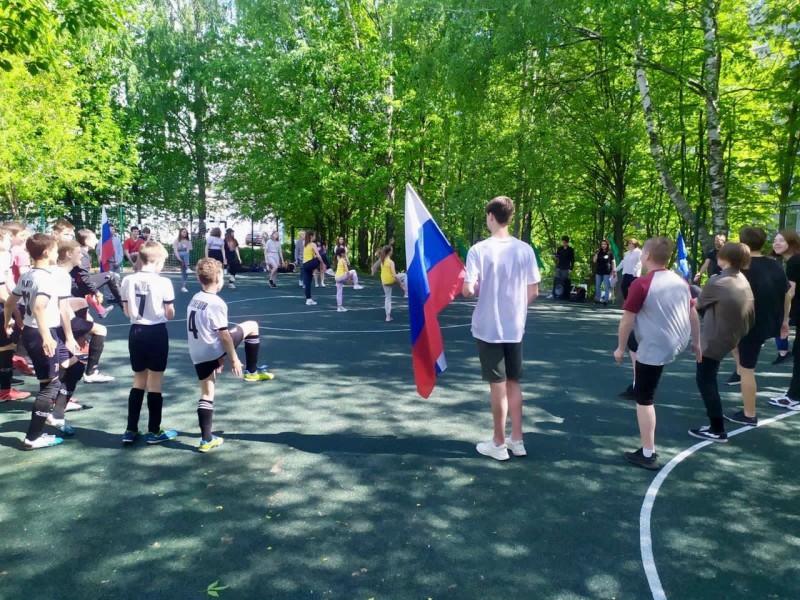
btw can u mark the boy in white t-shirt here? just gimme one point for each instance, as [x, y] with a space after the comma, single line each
[148, 300]
[211, 338]
[503, 274]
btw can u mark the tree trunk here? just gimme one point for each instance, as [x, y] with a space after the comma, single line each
[787, 159]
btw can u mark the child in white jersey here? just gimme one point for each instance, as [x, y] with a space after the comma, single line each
[211, 338]
[343, 274]
[148, 300]
[389, 276]
[7, 342]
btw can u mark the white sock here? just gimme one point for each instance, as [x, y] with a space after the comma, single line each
[648, 452]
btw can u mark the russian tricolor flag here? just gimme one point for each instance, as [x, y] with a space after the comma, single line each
[106, 244]
[435, 276]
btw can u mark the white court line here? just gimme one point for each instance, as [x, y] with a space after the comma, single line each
[645, 537]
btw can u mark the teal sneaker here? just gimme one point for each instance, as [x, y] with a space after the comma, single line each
[129, 436]
[206, 446]
[164, 435]
[60, 424]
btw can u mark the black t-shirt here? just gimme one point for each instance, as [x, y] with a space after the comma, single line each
[713, 267]
[793, 274]
[565, 258]
[769, 285]
[604, 260]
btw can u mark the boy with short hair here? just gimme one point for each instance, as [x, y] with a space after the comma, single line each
[148, 299]
[211, 338]
[502, 272]
[132, 245]
[20, 259]
[728, 314]
[63, 230]
[8, 343]
[44, 298]
[660, 310]
[87, 284]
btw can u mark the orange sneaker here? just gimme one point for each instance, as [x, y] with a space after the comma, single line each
[12, 394]
[21, 365]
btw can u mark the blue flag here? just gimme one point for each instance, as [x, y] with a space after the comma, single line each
[683, 261]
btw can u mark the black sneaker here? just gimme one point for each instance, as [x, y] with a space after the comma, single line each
[628, 393]
[781, 358]
[272, 284]
[742, 419]
[637, 458]
[15, 381]
[734, 379]
[705, 433]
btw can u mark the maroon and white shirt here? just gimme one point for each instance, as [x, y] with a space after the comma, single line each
[662, 302]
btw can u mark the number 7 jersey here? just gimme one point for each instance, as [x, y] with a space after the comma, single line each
[146, 294]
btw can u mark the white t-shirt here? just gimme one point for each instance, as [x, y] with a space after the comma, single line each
[41, 282]
[206, 315]
[147, 293]
[5, 270]
[503, 268]
[214, 243]
[632, 263]
[273, 248]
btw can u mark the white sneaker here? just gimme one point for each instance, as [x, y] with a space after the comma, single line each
[60, 424]
[232, 285]
[358, 287]
[322, 284]
[300, 283]
[310, 302]
[97, 377]
[405, 295]
[784, 401]
[389, 318]
[331, 272]
[341, 309]
[189, 271]
[316, 284]
[43, 441]
[489, 449]
[183, 289]
[74, 406]
[517, 448]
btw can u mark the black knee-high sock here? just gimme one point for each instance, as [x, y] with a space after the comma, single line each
[48, 390]
[68, 378]
[205, 415]
[135, 401]
[251, 345]
[6, 369]
[96, 345]
[155, 403]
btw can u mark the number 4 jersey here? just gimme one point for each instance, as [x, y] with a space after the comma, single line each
[146, 294]
[207, 314]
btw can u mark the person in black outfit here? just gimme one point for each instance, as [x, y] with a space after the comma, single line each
[605, 266]
[710, 263]
[565, 263]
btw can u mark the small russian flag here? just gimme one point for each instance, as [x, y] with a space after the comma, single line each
[435, 276]
[106, 244]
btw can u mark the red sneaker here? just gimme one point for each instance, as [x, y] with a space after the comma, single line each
[21, 365]
[12, 394]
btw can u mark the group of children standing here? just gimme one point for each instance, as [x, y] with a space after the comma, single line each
[46, 291]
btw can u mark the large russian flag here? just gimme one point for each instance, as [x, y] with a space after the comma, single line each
[435, 276]
[106, 244]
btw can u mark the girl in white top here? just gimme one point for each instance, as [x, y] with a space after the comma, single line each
[215, 245]
[181, 249]
[631, 265]
[273, 256]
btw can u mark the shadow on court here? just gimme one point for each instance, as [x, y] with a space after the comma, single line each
[337, 481]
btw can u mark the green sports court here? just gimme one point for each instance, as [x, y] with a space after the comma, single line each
[336, 480]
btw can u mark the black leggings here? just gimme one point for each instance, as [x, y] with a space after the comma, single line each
[627, 280]
[308, 274]
[707, 384]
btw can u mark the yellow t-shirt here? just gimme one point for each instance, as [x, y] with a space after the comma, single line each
[387, 278]
[308, 253]
[341, 267]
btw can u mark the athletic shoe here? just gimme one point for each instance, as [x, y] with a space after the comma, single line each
[15, 381]
[638, 458]
[73, 406]
[104, 312]
[260, 374]
[12, 394]
[164, 435]
[784, 401]
[628, 393]
[517, 448]
[358, 287]
[213, 443]
[60, 424]
[43, 441]
[22, 365]
[189, 271]
[300, 283]
[322, 284]
[734, 379]
[232, 285]
[129, 436]
[183, 288]
[389, 318]
[490, 449]
[97, 377]
[705, 433]
[331, 272]
[341, 309]
[781, 358]
[742, 419]
[316, 284]
[272, 284]
[310, 302]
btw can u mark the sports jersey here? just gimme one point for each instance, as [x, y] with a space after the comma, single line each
[146, 294]
[206, 315]
[6, 278]
[40, 282]
[341, 267]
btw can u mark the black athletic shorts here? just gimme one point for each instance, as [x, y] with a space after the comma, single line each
[749, 348]
[148, 346]
[5, 339]
[45, 367]
[206, 369]
[500, 362]
[647, 378]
